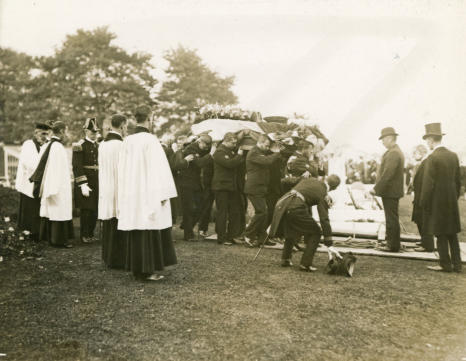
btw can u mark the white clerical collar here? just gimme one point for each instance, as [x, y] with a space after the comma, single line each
[54, 136]
[90, 140]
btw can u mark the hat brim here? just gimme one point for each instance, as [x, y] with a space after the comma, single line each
[386, 135]
[432, 135]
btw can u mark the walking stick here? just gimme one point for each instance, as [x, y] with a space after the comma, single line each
[377, 202]
[260, 248]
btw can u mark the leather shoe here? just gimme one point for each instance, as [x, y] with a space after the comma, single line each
[438, 269]
[68, 245]
[87, 240]
[154, 278]
[286, 263]
[248, 241]
[307, 268]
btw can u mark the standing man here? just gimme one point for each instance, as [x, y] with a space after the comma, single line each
[420, 216]
[439, 197]
[113, 246]
[225, 187]
[53, 180]
[86, 171]
[208, 197]
[292, 219]
[145, 187]
[258, 162]
[189, 163]
[389, 186]
[29, 206]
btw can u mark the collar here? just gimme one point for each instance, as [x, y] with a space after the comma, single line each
[112, 135]
[437, 146]
[36, 143]
[141, 129]
[55, 137]
[92, 141]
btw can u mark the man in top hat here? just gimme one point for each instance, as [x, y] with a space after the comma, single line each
[113, 246]
[439, 197]
[28, 217]
[292, 219]
[86, 178]
[389, 186]
[52, 184]
[145, 187]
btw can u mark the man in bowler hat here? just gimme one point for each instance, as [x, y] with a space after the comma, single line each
[439, 197]
[86, 177]
[389, 186]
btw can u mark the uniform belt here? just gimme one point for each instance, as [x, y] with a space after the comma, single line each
[298, 194]
[95, 167]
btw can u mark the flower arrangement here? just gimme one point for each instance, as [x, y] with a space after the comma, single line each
[217, 111]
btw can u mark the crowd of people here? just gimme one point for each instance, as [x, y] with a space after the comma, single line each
[361, 170]
[139, 188]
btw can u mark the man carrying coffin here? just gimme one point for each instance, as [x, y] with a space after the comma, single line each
[52, 179]
[292, 219]
[86, 170]
[29, 207]
[145, 187]
[113, 246]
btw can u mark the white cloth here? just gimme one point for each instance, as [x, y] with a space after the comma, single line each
[109, 152]
[28, 161]
[217, 128]
[144, 181]
[55, 192]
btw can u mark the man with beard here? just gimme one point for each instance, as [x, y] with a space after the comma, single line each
[113, 246]
[29, 207]
[86, 170]
[145, 187]
[225, 186]
[52, 180]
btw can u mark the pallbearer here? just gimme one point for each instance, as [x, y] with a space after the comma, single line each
[86, 170]
[145, 186]
[28, 217]
[113, 247]
[53, 180]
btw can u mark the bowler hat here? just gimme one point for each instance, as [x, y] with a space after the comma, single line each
[433, 129]
[387, 131]
[90, 124]
[43, 126]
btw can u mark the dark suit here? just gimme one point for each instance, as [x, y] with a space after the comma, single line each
[389, 186]
[85, 170]
[258, 165]
[227, 196]
[420, 216]
[189, 181]
[208, 197]
[292, 219]
[439, 196]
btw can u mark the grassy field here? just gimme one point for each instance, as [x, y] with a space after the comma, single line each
[218, 305]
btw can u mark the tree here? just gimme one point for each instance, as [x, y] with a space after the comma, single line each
[90, 76]
[190, 84]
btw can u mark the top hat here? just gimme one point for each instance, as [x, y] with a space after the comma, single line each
[387, 131]
[91, 125]
[433, 129]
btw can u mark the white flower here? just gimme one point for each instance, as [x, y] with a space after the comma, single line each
[11, 229]
[7, 219]
[21, 238]
[26, 233]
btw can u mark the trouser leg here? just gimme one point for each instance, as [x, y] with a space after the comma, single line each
[258, 224]
[443, 252]
[392, 223]
[188, 210]
[85, 223]
[312, 242]
[455, 251]
[234, 215]
[427, 240]
[221, 202]
[288, 248]
[206, 209]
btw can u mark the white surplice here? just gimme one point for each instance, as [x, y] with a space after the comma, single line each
[144, 181]
[109, 152]
[28, 161]
[55, 191]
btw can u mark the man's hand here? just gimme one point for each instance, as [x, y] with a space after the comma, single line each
[85, 190]
[189, 157]
[333, 253]
[329, 201]
[275, 148]
[240, 151]
[372, 192]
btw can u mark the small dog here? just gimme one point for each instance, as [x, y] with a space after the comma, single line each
[342, 266]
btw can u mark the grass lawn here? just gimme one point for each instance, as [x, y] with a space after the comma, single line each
[218, 305]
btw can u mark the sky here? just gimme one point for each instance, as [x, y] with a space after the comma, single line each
[353, 66]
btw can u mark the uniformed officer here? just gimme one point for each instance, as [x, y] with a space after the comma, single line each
[86, 170]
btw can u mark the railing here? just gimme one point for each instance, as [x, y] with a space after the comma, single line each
[10, 164]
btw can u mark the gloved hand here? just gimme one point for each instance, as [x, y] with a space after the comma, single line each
[85, 190]
[189, 157]
[332, 252]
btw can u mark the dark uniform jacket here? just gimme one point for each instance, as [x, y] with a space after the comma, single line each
[417, 187]
[440, 192]
[189, 173]
[226, 166]
[85, 170]
[258, 171]
[389, 182]
[312, 192]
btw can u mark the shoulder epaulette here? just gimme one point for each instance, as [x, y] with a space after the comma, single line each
[78, 146]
